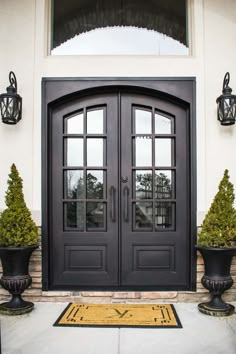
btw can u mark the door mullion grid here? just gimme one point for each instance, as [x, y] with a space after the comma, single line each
[153, 169]
[119, 198]
[84, 168]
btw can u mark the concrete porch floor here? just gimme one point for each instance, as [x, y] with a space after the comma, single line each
[34, 334]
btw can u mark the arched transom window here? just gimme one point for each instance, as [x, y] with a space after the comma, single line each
[156, 27]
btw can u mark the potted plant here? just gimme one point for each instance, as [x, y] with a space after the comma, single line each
[18, 239]
[217, 245]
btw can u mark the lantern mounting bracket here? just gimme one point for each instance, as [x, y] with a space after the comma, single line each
[12, 80]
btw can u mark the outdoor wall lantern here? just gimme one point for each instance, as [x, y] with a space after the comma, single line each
[11, 102]
[226, 110]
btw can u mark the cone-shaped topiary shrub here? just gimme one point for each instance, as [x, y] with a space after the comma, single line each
[17, 227]
[219, 226]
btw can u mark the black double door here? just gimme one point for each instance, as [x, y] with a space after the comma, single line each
[119, 193]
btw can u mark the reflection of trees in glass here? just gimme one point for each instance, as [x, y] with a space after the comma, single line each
[75, 215]
[75, 190]
[75, 184]
[163, 187]
[94, 211]
[94, 186]
[143, 185]
[71, 215]
[163, 190]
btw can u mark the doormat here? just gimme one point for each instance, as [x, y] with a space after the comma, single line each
[119, 315]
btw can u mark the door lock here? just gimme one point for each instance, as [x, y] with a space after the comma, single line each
[124, 179]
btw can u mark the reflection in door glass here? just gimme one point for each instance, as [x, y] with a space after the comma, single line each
[74, 184]
[143, 183]
[75, 152]
[95, 215]
[163, 152]
[143, 215]
[163, 184]
[75, 124]
[95, 184]
[143, 122]
[74, 215]
[163, 124]
[164, 216]
[143, 151]
[95, 122]
[95, 152]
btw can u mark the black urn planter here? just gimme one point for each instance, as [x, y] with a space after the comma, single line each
[217, 279]
[16, 278]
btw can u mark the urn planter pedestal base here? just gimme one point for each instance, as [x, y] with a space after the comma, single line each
[16, 278]
[217, 279]
[10, 308]
[207, 309]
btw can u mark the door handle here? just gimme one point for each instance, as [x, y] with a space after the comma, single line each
[113, 203]
[126, 203]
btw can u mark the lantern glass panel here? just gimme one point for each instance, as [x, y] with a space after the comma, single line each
[226, 106]
[220, 113]
[10, 109]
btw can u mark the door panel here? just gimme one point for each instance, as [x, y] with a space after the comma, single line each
[154, 168]
[84, 208]
[119, 185]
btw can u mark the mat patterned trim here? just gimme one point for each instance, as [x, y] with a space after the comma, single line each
[119, 315]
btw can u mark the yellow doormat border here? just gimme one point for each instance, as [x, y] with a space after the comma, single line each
[119, 315]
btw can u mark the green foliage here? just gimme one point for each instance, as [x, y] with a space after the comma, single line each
[17, 227]
[219, 226]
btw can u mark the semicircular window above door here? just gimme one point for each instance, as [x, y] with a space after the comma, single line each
[117, 27]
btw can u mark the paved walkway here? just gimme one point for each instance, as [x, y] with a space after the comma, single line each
[34, 334]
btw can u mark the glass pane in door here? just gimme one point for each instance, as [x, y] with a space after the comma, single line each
[143, 121]
[164, 215]
[95, 152]
[163, 152]
[95, 121]
[143, 184]
[74, 148]
[95, 215]
[74, 215]
[164, 184]
[75, 124]
[143, 151]
[163, 125]
[95, 184]
[74, 184]
[143, 212]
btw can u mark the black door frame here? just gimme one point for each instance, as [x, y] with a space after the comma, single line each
[57, 90]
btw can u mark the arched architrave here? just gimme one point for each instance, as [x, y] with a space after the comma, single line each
[178, 93]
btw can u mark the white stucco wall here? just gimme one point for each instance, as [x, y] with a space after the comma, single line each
[23, 48]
